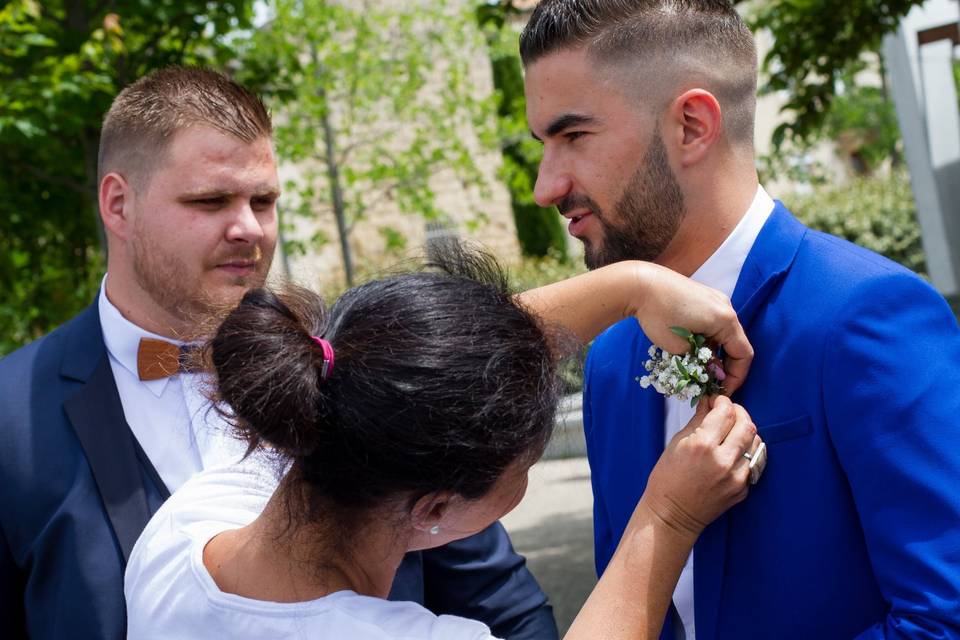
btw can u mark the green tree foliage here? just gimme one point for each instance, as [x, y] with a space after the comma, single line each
[61, 64]
[372, 100]
[814, 44]
[863, 122]
[539, 229]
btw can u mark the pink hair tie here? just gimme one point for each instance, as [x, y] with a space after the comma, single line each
[327, 367]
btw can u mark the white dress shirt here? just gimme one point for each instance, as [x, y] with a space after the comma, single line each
[171, 418]
[720, 271]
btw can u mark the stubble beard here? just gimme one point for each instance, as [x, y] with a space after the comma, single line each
[647, 215]
[168, 280]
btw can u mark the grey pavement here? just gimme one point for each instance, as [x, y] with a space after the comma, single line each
[553, 528]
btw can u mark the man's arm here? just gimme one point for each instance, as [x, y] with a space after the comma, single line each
[891, 376]
[483, 578]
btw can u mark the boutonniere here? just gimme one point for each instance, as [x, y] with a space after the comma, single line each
[687, 376]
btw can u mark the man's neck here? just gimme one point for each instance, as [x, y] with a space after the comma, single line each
[138, 307]
[710, 219]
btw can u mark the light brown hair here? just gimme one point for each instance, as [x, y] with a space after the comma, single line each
[145, 116]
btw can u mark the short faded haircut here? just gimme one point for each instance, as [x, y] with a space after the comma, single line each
[145, 116]
[701, 40]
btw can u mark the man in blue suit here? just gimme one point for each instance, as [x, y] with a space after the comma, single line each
[99, 420]
[646, 113]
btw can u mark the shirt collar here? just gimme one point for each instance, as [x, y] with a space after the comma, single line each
[122, 339]
[722, 269]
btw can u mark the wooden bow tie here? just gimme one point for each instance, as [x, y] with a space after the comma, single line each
[158, 359]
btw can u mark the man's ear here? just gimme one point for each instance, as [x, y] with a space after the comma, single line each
[115, 198]
[428, 511]
[698, 120]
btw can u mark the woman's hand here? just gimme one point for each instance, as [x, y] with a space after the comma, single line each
[701, 474]
[671, 299]
[703, 471]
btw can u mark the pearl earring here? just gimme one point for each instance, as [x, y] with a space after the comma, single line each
[435, 529]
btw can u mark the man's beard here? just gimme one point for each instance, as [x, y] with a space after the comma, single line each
[647, 215]
[168, 281]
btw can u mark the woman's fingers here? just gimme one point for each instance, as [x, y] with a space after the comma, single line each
[717, 423]
[740, 437]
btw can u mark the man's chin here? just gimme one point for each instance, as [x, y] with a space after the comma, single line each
[592, 258]
[224, 297]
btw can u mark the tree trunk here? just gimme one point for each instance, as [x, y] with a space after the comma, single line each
[333, 173]
[895, 159]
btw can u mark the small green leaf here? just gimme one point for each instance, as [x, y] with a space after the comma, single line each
[683, 333]
[694, 401]
[679, 365]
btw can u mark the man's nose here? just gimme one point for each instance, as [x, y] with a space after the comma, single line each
[553, 183]
[245, 226]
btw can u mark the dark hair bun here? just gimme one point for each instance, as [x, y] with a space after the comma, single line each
[441, 382]
[268, 369]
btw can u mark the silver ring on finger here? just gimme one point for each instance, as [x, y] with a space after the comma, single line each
[758, 462]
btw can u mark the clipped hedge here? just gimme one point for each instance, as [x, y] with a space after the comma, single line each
[877, 213]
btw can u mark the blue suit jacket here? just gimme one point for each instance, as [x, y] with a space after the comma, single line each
[76, 490]
[854, 529]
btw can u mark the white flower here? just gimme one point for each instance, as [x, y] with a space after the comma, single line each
[686, 376]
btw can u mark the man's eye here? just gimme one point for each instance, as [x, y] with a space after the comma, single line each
[208, 202]
[574, 135]
[262, 203]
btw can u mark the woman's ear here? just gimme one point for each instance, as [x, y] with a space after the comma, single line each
[697, 119]
[428, 511]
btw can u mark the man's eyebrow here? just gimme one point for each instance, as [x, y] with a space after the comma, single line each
[211, 194]
[566, 121]
[266, 192]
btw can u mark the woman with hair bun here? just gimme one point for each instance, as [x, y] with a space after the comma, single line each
[405, 418]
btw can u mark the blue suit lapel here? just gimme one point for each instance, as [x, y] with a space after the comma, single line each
[97, 417]
[764, 269]
[767, 263]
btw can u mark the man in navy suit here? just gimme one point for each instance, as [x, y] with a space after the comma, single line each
[646, 113]
[100, 421]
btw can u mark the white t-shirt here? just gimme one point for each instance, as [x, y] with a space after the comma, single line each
[171, 595]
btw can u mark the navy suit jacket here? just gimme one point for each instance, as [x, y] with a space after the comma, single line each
[854, 529]
[76, 490]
